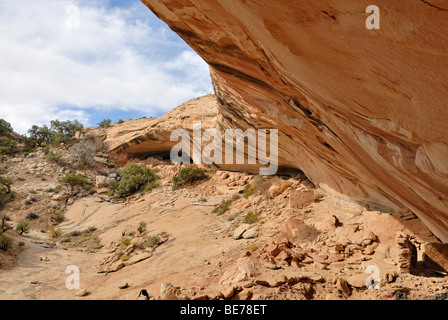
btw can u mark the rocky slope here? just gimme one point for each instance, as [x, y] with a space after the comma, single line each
[362, 112]
[232, 236]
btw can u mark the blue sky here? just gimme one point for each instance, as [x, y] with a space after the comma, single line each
[89, 60]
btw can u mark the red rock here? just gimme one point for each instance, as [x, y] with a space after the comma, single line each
[358, 280]
[373, 128]
[272, 280]
[285, 243]
[297, 254]
[435, 256]
[243, 295]
[243, 269]
[228, 292]
[282, 256]
[320, 258]
[307, 260]
[272, 249]
[335, 258]
[291, 228]
[300, 198]
[342, 286]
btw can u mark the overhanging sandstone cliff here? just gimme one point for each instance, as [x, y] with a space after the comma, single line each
[361, 112]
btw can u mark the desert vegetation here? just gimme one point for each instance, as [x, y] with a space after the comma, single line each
[59, 132]
[8, 146]
[105, 123]
[134, 178]
[74, 180]
[187, 176]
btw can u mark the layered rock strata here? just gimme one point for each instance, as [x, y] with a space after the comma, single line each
[361, 111]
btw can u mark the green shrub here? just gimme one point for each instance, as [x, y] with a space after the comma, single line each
[124, 243]
[8, 146]
[75, 180]
[75, 233]
[55, 157]
[251, 217]
[38, 135]
[67, 128]
[223, 207]
[28, 148]
[152, 241]
[58, 138]
[142, 227]
[31, 216]
[90, 230]
[4, 225]
[248, 191]
[59, 217]
[59, 132]
[54, 233]
[23, 227]
[105, 123]
[187, 176]
[5, 192]
[5, 243]
[5, 128]
[134, 178]
[150, 186]
[5, 185]
[112, 186]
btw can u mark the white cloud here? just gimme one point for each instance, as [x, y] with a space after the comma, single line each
[118, 59]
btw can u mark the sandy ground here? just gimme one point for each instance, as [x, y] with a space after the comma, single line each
[201, 248]
[195, 244]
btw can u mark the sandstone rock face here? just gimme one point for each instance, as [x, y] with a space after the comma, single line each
[151, 136]
[436, 256]
[362, 112]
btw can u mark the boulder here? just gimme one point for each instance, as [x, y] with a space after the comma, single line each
[251, 233]
[169, 292]
[358, 280]
[123, 285]
[114, 267]
[342, 286]
[80, 292]
[101, 181]
[435, 256]
[228, 291]
[243, 269]
[238, 233]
